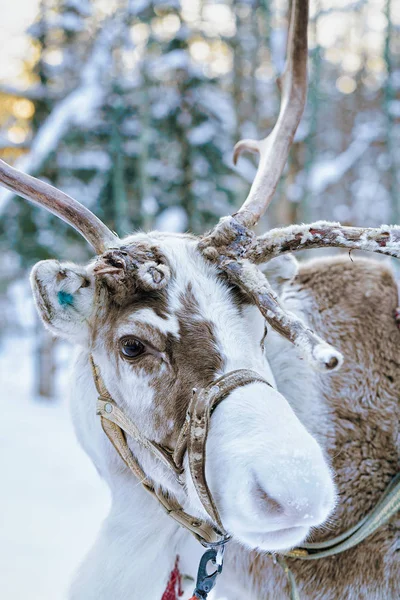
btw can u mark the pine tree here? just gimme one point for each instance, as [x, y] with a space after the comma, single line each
[60, 38]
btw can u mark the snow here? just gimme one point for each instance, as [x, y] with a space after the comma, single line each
[138, 6]
[279, 236]
[52, 502]
[328, 172]
[217, 103]
[149, 205]
[394, 108]
[395, 79]
[69, 21]
[244, 167]
[168, 103]
[90, 159]
[172, 219]
[164, 172]
[202, 134]
[82, 7]
[278, 48]
[176, 59]
[34, 92]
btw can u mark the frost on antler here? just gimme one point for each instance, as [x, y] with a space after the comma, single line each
[322, 234]
[249, 278]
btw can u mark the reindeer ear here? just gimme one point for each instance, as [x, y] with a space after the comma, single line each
[64, 295]
[280, 270]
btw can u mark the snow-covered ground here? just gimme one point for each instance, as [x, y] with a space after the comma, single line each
[52, 501]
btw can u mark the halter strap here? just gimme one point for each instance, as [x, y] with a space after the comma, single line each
[201, 407]
[387, 506]
[192, 439]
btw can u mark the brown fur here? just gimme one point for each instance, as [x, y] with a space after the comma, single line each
[193, 356]
[127, 262]
[196, 345]
[355, 313]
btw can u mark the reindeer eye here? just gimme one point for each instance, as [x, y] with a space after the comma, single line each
[131, 348]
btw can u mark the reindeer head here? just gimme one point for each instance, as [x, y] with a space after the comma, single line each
[159, 320]
[163, 314]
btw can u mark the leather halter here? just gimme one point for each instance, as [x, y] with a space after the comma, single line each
[192, 439]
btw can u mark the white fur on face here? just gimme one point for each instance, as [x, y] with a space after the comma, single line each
[268, 475]
[269, 478]
[147, 316]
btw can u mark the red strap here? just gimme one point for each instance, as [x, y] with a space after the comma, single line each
[174, 586]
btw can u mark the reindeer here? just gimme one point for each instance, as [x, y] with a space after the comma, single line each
[220, 412]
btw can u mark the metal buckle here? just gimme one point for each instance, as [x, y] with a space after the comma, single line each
[205, 582]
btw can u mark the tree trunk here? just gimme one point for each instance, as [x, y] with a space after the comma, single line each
[44, 363]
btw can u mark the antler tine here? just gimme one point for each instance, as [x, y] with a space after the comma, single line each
[322, 234]
[60, 204]
[274, 149]
[319, 354]
[231, 243]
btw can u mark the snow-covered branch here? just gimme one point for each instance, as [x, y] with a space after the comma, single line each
[325, 173]
[75, 109]
[353, 7]
[37, 92]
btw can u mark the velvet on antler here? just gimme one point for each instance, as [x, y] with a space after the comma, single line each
[231, 243]
[322, 234]
[235, 248]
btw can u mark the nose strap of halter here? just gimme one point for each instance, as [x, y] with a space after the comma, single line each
[195, 431]
[192, 438]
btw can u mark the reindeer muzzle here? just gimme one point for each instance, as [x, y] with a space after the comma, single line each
[192, 439]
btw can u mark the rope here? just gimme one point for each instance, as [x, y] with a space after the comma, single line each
[385, 509]
[294, 595]
[174, 586]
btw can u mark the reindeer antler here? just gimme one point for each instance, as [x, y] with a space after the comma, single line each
[322, 234]
[274, 149]
[236, 250]
[60, 204]
[232, 245]
[231, 242]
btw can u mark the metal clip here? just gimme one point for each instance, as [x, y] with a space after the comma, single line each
[205, 582]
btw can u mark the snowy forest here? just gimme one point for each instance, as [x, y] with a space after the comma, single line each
[133, 108]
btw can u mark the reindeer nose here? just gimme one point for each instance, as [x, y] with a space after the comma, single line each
[266, 501]
[298, 489]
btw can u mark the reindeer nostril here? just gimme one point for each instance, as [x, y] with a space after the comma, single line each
[267, 502]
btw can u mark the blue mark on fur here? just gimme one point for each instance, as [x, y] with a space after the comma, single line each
[65, 299]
